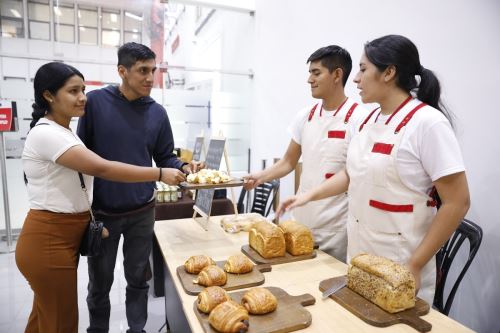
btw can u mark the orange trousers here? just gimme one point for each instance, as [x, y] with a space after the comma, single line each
[47, 256]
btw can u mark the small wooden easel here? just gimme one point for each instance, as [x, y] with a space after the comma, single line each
[204, 198]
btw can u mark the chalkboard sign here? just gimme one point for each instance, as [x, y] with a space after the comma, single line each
[214, 153]
[203, 202]
[198, 145]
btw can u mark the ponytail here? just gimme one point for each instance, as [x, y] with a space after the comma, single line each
[429, 91]
[38, 112]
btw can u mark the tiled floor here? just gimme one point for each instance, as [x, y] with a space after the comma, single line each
[16, 299]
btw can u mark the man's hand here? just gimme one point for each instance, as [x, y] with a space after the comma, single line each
[193, 166]
[172, 176]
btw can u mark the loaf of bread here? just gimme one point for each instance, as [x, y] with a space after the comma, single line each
[298, 238]
[259, 301]
[210, 297]
[211, 276]
[238, 264]
[389, 285]
[267, 239]
[195, 264]
[229, 317]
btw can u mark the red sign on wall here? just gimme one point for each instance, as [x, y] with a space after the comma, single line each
[5, 119]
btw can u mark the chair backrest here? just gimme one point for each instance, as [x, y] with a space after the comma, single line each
[444, 259]
[262, 194]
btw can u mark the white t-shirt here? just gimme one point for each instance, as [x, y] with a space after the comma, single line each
[357, 117]
[51, 186]
[429, 148]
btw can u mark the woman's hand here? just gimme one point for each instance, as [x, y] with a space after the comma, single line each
[172, 176]
[416, 274]
[292, 202]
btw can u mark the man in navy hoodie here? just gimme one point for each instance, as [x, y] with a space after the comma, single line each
[125, 124]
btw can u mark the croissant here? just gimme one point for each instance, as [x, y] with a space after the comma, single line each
[210, 297]
[211, 276]
[195, 264]
[238, 264]
[259, 301]
[229, 317]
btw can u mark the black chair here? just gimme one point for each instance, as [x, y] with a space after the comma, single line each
[445, 257]
[261, 196]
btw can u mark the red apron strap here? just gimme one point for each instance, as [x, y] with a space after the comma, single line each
[399, 108]
[349, 113]
[391, 208]
[311, 113]
[340, 106]
[408, 117]
[367, 119]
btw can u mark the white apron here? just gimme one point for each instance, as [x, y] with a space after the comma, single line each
[325, 139]
[387, 218]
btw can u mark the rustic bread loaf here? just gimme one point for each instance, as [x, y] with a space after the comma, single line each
[382, 281]
[298, 238]
[267, 239]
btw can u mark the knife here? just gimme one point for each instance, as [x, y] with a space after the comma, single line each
[333, 289]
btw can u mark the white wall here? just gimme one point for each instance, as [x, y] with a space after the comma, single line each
[458, 39]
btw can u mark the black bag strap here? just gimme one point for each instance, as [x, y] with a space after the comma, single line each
[84, 189]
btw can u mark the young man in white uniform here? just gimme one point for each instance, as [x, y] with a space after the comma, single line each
[321, 134]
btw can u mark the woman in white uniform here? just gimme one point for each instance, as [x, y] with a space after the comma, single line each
[405, 151]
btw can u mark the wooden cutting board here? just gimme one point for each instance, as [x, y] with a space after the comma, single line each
[257, 258]
[289, 316]
[374, 315]
[234, 281]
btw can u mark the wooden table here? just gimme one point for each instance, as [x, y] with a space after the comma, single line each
[183, 208]
[180, 239]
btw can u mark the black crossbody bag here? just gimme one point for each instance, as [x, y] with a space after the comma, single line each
[92, 238]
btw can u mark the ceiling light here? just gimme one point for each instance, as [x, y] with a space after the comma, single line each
[15, 13]
[113, 18]
[57, 11]
[135, 17]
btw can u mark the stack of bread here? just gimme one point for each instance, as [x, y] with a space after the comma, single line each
[389, 285]
[272, 241]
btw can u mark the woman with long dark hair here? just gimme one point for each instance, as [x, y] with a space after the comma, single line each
[404, 153]
[47, 249]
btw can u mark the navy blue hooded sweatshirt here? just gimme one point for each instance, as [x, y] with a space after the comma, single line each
[133, 132]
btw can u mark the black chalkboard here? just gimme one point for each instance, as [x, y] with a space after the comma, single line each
[198, 145]
[214, 153]
[204, 198]
[203, 201]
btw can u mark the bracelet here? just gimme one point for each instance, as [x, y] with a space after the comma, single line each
[159, 178]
